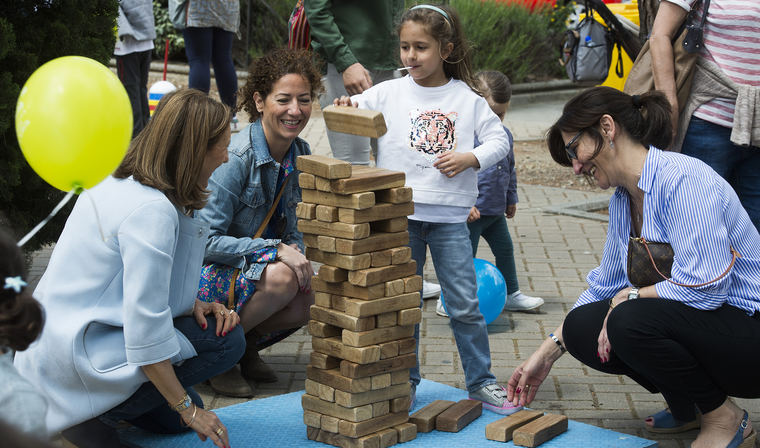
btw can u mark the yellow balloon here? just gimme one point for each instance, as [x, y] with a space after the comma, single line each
[73, 122]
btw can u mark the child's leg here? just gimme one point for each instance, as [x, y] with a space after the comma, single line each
[451, 252]
[418, 244]
[496, 233]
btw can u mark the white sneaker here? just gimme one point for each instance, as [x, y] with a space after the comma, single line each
[518, 301]
[439, 310]
[430, 290]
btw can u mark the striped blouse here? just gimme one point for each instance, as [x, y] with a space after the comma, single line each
[732, 41]
[690, 206]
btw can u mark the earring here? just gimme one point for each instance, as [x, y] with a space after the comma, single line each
[612, 144]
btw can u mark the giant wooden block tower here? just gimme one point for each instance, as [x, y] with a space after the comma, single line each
[367, 300]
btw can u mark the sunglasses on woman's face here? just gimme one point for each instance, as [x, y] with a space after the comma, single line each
[569, 149]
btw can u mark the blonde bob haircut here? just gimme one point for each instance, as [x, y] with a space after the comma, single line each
[168, 154]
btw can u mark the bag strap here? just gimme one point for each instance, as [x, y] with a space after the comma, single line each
[734, 254]
[259, 232]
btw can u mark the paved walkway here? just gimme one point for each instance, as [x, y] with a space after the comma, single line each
[553, 253]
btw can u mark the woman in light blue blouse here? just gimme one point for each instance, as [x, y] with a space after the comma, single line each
[693, 337]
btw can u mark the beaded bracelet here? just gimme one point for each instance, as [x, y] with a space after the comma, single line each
[559, 344]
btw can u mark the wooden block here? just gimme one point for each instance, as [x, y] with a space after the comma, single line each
[322, 184]
[501, 430]
[327, 213]
[323, 330]
[394, 287]
[334, 379]
[352, 120]
[400, 255]
[326, 243]
[312, 388]
[408, 345]
[380, 258]
[336, 229]
[457, 416]
[425, 417]
[365, 178]
[323, 166]
[406, 432]
[334, 347]
[376, 336]
[388, 349]
[386, 320]
[412, 284]
[349, 262]
[329, 423]
[387, 225]
[388, 437]
[540, 430]
[356, 414]
[381, 408]
[323, 299]
[400, 377]
[306, 211]
[312, 433]
[312, 419]
[373, 276]
[357, 201]
[322, 361]
[401, 404]
[332, 274]
[380, 381]
[326, 393]
[310, 240]
[355, 370]
[409, 316]
[381, 211]
[397, 195]
[376, 241]
[364, 427]
[330, 438]
[347, 289]
[306, 180]
[366, 308]
[333, 317]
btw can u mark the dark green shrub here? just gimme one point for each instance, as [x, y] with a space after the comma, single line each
[165, 30]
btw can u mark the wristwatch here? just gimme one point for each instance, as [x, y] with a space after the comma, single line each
[183, 404]
[633, 293]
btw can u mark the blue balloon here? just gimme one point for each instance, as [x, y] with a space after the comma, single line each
[492, 290]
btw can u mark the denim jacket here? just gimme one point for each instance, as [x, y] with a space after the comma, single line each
[497, 185]
[242, 192]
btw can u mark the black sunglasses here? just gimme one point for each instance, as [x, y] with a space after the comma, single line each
[569, 149]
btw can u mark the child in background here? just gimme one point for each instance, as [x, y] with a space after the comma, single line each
[434, 116]
[497, 197]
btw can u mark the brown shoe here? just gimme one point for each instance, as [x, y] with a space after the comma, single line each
[255, 369]
[231, 384]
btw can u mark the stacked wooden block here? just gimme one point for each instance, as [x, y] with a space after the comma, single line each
[367, 300]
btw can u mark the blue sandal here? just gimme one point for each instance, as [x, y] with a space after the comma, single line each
[739, 440]
[665, 423]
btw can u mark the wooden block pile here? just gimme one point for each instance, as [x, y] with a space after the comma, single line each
[527, 428]
[445, 415]
[367, 300]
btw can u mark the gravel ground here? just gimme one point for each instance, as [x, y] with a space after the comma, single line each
[535, 166]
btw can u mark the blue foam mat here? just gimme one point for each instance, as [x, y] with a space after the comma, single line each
[278, 422]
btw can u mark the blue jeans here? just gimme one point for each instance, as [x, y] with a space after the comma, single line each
[206, 46]
[452, 258]
[147, 408]
[496, 233]
[739, 165]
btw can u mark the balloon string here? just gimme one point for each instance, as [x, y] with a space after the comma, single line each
[97, 217]
[55, 211]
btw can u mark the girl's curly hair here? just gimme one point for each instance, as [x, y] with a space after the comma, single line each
[268, 69]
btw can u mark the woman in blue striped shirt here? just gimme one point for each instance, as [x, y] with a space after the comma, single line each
[693, 337]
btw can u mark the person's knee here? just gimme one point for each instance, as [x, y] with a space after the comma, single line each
[280, 280]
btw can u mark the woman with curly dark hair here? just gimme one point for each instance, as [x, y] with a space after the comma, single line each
[23, 407]
[261, 253]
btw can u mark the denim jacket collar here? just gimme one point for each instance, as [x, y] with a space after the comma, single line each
[259, 144]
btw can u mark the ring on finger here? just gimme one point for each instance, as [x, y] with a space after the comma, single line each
[219, 431]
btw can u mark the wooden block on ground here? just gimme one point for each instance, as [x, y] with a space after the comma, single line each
[336, 229]
[373, 276]
[334, 439]
[348, 262]
[329, 423]
[342, 320]
[388, 437]
[334, 379]
[355, 121]
[334, 347]
[381, 408]
[327, 213]
[397, 195]
[379, 212]
[380, 258]
[332, 274]
[501, 430]
[323, 330]
[364, 427]
[366, 308]
[409, 316]
[388, 349]
[323, 166]
[456, 417]
[394, 287]
[400, 255]
[425, 417]
[357, 201]
[312, 419]
[322, 184]
[347, 289]
[387, 225]
[306, 211]
[412, 283]
[540, 430]
[380, 381]
[357, 414]
[306, 180]
[376, 241]
[400, 377]
[401, 404]
[326, 243]
[376, 336]
[355, 370]
[406, 432]
[408, 345]
[322, 361]
[386, 320]
[365, 178]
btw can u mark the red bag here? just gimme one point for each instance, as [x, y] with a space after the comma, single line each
[298, 28]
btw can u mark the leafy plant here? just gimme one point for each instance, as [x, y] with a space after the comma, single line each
[165, 30]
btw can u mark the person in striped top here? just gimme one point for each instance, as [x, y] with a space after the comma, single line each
[718, 124]
[693, 337]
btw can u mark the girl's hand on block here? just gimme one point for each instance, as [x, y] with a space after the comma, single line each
[344, 101]
[452, 163]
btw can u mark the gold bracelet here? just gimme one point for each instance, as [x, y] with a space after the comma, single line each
[192, 419]
[183, 404]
